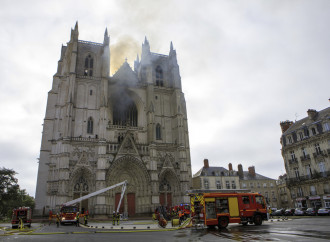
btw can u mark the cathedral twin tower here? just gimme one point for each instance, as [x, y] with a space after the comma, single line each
[100, 130]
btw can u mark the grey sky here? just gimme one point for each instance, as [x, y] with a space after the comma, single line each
[245, 66]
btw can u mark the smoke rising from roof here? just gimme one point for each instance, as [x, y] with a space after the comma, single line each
[126, 47]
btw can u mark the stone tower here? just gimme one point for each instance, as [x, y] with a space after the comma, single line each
[100, 130]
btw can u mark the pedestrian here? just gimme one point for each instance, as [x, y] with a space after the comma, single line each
[57, 220]
[77, 219]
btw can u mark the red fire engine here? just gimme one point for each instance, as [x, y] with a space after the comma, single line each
[184, 207]
[220, 209]
[21, 217]
[68, 214]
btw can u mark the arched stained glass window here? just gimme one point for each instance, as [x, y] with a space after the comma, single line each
[159, 76]
[89, 63]
[90, 126]
[125, 111]
[158, 132]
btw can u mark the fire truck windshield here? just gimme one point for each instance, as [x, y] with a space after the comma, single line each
[260, 200]
[69, 209]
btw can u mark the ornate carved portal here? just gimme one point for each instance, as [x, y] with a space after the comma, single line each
[169, 189]
[81, 186]
[81, 189]
[137, 197]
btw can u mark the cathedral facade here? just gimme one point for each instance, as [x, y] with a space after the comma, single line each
[100, 130]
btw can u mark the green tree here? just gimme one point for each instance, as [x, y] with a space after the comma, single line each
[11, 196]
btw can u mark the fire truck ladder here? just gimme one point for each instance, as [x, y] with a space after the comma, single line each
[124, 184]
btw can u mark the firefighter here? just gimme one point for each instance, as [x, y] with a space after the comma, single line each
[181, 214]
[269, 213]
[50, 217]
[57, 220]
[113, 218]
[85, 219]
[117, 218]
[77, 220]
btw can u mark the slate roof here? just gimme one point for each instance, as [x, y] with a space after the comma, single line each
[211, 171]
[247, 176]
[321, 115]
[125, 74]
[214, 170]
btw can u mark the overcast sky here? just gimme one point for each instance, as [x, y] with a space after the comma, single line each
[245, 66]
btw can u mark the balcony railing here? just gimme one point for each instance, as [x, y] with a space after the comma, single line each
[320, 153]
[293, 161]
[315, 175]
[305, 158]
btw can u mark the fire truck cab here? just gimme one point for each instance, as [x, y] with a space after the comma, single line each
[223, 208]
[21, 217]
[68, 214]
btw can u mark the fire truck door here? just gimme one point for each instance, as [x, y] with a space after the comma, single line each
[210, 208]
[233, 207]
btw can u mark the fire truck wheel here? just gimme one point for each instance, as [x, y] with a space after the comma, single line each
[244, 223]
[223, 222]
[257, 220]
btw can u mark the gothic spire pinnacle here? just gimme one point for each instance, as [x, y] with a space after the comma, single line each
[146, 40]
[106, 37]
[76, 26]
[171, 47]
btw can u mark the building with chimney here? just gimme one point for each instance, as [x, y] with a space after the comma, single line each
[306, 154]
[258, 183]
[100, 130]
[215, 177]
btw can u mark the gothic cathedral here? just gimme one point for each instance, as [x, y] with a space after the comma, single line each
[100, 130]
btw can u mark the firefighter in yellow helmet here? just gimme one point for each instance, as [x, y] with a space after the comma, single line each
[77, 219]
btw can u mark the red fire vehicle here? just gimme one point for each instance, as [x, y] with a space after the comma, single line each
[21, 217]
[220, 209]
[185, 207]
[68, 214]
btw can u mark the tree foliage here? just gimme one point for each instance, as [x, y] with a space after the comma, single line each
[11, 196]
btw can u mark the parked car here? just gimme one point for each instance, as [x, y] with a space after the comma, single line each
[323, 211]
[289, 212]
[299, 212]
[311, 211]
[278, 212]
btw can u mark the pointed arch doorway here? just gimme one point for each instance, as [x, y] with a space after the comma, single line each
[80, 189]
[165, 193]
[169, 188]
[137, 198]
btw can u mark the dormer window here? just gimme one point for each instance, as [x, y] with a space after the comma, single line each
[159, 76]
[313, 131]
[89, 63]
[290, 140]
[301, 135]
